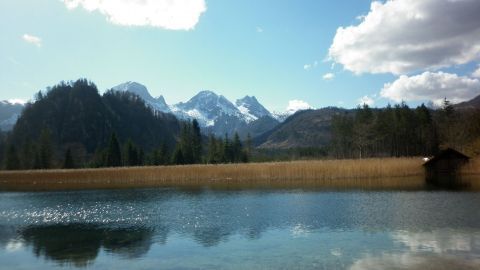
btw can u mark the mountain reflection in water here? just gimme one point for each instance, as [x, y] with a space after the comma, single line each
[255, 229]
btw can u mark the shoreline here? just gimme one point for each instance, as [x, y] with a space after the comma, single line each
[375, 173]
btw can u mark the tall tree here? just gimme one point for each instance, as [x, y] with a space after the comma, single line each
[12, 162]
[237, 148]
[196, 142]
[178, 157]
[45, 150]
[114, 155]
[131, 156]
[68, 162]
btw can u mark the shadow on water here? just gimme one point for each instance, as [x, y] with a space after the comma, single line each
[80, 244]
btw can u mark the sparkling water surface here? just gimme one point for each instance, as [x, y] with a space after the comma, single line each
[168, 228]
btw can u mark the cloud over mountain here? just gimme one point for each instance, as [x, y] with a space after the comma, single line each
[297, 105]
[167, 14]
[405, 36]
[434, 86]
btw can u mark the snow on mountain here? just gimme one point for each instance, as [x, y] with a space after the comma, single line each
[281, 116]
[9, 113]
[158, 103]
[292, 107]
[251, 108]
[206, 107]
[213, 112]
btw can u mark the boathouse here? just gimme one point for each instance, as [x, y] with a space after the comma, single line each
[443, 169]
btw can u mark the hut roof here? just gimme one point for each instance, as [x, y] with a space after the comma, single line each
[448, 153]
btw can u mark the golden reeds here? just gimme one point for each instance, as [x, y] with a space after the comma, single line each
[366, 173]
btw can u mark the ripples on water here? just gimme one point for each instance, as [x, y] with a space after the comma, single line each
[253, 229]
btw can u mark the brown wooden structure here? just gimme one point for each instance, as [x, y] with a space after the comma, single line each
[443, 169]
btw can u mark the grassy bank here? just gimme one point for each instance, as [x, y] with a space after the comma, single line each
[367, 173]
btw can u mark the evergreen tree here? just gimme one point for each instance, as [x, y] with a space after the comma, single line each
[236, 148]
[186, 143]
[156, 158]
[68, 162]
[12, 162]
[227, 150]
[45, 152]
[249, 145]
[141, 158]
[196, 142]
[212, 156]
[159, 156]
[28, 155]
[131, 154]
[178, 158]
[114, 155]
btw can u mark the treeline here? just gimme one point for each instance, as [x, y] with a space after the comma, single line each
[402, 131]
[190, 149]
[72, 126]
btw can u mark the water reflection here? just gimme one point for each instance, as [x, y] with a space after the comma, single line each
[79, 244]
[438, 249]
[357, 230]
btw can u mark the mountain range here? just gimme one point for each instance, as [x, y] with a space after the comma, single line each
[215, 113]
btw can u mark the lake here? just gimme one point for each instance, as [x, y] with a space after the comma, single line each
[202, 228]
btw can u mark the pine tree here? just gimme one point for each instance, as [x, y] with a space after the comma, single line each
[196, 142]
[114, 155]
[236, 148]
[45, 150]
[212, 156]
[12, 162]
[227, 150]
[249, 144]
[27, 156]
[68, 161]
[141, 157]
[131, 156]
[186, 143]
[178, 158]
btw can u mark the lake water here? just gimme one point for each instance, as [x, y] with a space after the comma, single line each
[240, 229]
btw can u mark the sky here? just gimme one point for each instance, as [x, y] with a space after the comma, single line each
[288, 53]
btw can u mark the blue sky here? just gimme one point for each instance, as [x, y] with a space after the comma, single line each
[276, 50]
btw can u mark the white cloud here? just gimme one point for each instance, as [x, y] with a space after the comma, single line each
[476, 73]
[434, 86]
[297, 105]
[167, 14]
[366, 100]
[404, 36]
[328, 76]
[308, 67]
[17, 101]
[32, 39]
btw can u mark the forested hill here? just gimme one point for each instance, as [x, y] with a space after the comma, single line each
[75, 116]
[370, 132]
[310, 128]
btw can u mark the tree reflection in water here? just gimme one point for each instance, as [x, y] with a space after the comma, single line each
[79, 244]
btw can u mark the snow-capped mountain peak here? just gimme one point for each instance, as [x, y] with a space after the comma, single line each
[141, 90]
[250, 106]
[206, 107]
[212, 111]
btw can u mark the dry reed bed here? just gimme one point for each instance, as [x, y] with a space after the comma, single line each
[366, 173]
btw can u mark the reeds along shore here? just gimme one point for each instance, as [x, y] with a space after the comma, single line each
[366, 173]
[385, 173]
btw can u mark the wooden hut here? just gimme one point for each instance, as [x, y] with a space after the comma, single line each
[443, 169]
